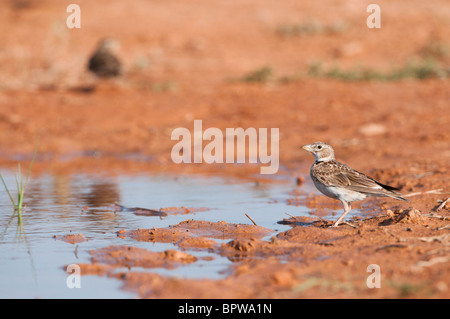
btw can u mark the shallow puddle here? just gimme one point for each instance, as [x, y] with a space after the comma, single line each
[84, 204]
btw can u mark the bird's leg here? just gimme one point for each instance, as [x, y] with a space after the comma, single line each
[347, 208]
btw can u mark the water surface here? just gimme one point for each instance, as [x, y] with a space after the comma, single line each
[55, 206]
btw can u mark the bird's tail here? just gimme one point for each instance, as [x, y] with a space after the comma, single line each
[397, 196]
[393, 192]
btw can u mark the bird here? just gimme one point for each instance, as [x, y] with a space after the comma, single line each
[341, 182]
[103, 62]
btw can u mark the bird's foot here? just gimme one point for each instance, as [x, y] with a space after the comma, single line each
[336, 224]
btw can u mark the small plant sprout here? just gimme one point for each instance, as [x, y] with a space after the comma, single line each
[21, 186]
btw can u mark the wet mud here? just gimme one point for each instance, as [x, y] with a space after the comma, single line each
[311, 260]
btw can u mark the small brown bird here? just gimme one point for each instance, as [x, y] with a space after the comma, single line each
[103, 62]
[339, 181]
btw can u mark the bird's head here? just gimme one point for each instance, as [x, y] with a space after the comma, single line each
[322, 151]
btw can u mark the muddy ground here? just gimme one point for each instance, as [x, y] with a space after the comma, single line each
[200, 60]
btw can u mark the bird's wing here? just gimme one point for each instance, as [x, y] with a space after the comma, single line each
[338, 174]
[341, 175]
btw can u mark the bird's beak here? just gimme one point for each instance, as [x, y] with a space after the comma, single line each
[307, 148]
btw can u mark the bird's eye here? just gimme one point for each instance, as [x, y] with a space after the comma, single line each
[319, 147]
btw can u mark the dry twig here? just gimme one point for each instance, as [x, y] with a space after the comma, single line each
[428, 263]
[433, 191]
[251, 219]
[442, 205]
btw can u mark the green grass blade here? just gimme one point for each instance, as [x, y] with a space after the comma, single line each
[9, 194]
[18, 183]
[31, 164]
